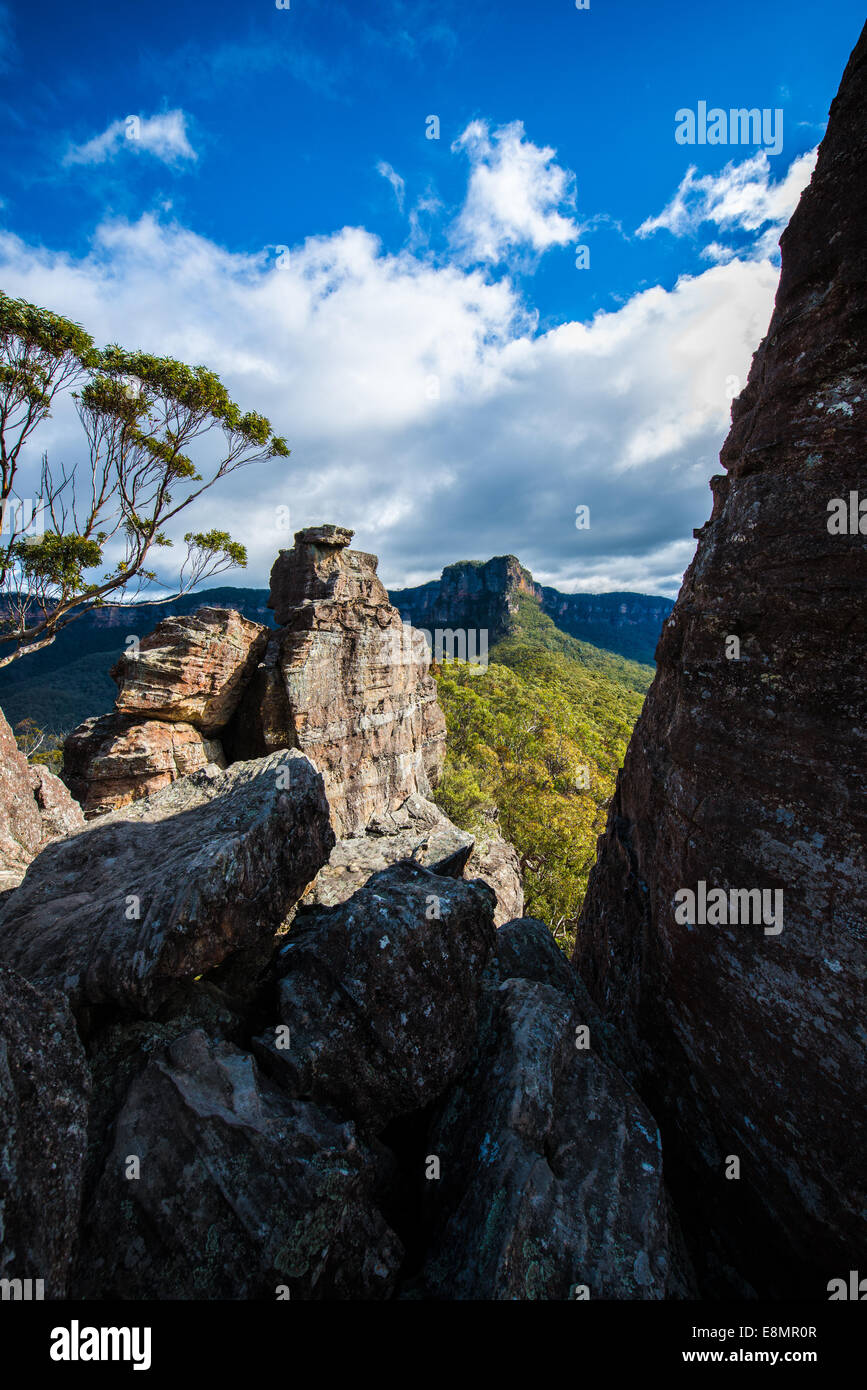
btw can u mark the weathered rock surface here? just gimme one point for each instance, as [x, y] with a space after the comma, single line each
[417, 830]
[169, 887]
[496, 861]
[380, 994]
[35, 808]
[44, 1087]
[362, 702]
[750, 773]
[115, 759]
[191, 670]
[241, 1191]
[551, 1166]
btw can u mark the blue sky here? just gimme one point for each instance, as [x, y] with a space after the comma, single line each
[407, 310]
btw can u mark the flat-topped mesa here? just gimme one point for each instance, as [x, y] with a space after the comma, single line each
[321, 567]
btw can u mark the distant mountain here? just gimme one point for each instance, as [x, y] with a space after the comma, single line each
[489, 594]
[69, 681]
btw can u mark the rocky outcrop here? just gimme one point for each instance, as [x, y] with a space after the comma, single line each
[417, 830]
[166, 889]
[35, 808]
[360, 699]
[114, 760]
[343, 680]
[496, 861]
[549, 1168]
[44, 1087]
[379, 995]
[746, 771]
[239, 1192]
[191, 670]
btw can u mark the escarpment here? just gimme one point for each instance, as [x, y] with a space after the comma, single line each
[746, 771]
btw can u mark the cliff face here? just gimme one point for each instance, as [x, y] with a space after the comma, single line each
[469, 595]
[746, 770]
[478, 596]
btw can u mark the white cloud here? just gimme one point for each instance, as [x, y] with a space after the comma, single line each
[743, 197]
[164, 136]
[394, 178]
[514, 197]
[422, 406]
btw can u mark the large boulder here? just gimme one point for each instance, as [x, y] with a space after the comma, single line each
[191, 669]
[379, 994]
[747, 774]
[359, 696]
[170, 887]
[496, 861]
[35, 808]
[238, 1193]
[44, 1087]
[113, 760]
[417, 830]
[548, 1182]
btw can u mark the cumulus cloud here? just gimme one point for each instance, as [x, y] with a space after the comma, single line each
[421, 403]
[514, 197]
[743, 197]
[164, 136]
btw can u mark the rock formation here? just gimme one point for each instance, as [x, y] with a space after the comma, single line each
[35, 808]
[166, 889]
[359, 695]
[342, 679]
[113, 760]
[746, 771]
[44, 1090]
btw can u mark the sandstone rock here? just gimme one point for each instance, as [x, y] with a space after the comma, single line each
[44, 1086]
[171, 886]
[551, 1167]
[241, 1191]
[360, 698]
[380, 994]
[113, 760]
[35, 808]
[417, 830]
[191, 670]
[750, 773]
[263, 721]
[496, 861]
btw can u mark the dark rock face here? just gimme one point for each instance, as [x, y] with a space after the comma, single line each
[44, 1088]
[241, 1192]
[380, 994]
[168, 888]
[750, 773]
[551, 1166]
[35, 808]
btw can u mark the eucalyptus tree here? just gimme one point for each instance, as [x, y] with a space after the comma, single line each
[156, 435]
